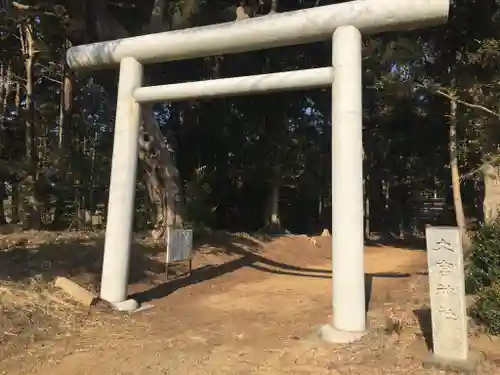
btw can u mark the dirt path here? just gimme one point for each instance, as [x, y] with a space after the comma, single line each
[253, 317]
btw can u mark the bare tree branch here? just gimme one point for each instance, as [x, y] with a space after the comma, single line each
[35, 9]
[467, 104]
[450, 96]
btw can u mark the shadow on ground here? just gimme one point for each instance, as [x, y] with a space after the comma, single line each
[71, 257]
[424, 318]
[248, 252]
[80, 258]
[411, 243]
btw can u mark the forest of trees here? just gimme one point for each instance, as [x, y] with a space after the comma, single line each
[431, 116]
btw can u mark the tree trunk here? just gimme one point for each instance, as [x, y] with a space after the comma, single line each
[273, 221]
[3, 220]
[274, 6]
[162, 177]
[455, 174]
[65, 104]
[92, 204]
[32, 216]
[15, 198]
[366, 189]
[386, 206]
[366, 192]
[63, 126]
[275, 198]
[17, 99]
[491, 200]
[14, 204]
[5, 90]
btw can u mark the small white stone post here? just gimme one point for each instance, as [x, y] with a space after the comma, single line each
[450, 336]
[349, 315]
[117, 246]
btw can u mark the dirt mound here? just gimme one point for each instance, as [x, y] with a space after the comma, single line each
[298, 249]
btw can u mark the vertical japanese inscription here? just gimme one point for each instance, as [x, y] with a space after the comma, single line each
[447, 292]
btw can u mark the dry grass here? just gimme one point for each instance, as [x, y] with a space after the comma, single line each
[34, 313]
[30, 310]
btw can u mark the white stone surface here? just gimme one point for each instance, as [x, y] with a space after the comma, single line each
[447, 292]
[329, 334]
[349, 312]
[115, 268]
[129, 305]
[281, 29]
[261, 83]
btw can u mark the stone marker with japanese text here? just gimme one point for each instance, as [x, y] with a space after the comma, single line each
[447, 294]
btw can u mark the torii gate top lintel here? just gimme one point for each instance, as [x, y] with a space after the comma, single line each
[277, 30]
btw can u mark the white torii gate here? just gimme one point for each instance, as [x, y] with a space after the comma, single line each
[344, 23]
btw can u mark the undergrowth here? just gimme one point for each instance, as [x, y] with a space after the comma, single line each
[483, 276]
